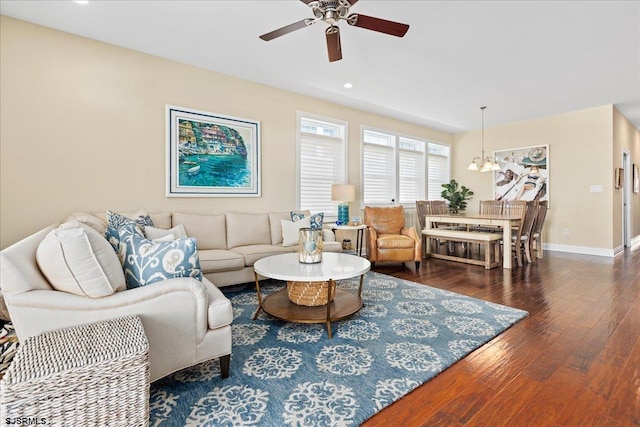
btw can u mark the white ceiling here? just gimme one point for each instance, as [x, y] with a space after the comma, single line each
[523, 59]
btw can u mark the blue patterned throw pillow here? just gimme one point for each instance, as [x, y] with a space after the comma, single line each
[147, 262]
[117, 221]
[316, 219]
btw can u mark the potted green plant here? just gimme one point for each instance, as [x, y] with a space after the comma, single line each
[456, 196]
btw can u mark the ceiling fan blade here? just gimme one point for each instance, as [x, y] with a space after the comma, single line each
[307, 1]
[287, 29]
[352, 2]
[377, 24]
[333, 43]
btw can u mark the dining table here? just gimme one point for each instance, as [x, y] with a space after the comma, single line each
[504, 221]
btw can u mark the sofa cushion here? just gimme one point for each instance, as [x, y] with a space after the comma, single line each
[77, 259]
[213, 260]
[91, 220]
[253, 253]
[290, 230]
[177, 232]
[275, 225]
[147, 262]
[209, 230]
[247, 229]
[316, 219]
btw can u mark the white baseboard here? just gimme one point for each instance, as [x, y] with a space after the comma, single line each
[635, 240]
[585, 250]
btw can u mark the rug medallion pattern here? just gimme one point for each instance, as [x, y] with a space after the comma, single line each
[288, 374]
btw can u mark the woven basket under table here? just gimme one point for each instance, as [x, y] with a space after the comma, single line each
[311, 294]
[89, 375]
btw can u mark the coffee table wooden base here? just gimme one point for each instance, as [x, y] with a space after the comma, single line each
[343, 305]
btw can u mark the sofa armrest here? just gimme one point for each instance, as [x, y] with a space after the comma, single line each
[411, 232]
[174, 300]
[372, 248]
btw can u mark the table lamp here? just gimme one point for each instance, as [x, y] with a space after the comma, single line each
[343, 193]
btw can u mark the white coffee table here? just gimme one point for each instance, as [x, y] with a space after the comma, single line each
[334, 266]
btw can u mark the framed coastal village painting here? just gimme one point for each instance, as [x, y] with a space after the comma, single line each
[523, 174]
[211, 155]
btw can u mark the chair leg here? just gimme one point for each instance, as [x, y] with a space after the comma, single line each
[417, 265]
[539, 252]
[518, 254]
[527, 251]
[224, 365]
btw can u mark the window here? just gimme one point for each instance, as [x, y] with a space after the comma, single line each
[402, 169]
[439, 169]
[322, 152]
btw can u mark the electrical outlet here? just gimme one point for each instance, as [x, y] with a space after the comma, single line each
[565, 231]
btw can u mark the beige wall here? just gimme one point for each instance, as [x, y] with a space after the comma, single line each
[83, 129]
[581, 152]
[625, 137]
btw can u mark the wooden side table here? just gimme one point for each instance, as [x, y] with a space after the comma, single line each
[95, 374]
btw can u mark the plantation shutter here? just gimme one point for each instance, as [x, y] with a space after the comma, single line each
[439, 170]
[411, 171]
[379, 174]
[321, 163]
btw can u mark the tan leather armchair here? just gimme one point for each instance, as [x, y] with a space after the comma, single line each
[388, 238]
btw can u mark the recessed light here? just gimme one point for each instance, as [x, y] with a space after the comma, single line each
[81, 1]
[348, 85]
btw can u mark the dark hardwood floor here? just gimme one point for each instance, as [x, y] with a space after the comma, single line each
[575, 361]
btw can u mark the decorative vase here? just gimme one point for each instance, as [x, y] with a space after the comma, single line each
[310, 245]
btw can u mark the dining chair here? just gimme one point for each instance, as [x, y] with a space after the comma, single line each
[423, 208]
[521, 241]
[434, 207]
[489, 207]
[536, 231]
[515, 208]
[493, 207]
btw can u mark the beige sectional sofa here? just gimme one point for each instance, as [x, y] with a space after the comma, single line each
[186, 320]
[229, 243]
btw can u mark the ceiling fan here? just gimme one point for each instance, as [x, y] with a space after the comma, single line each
[332, 12]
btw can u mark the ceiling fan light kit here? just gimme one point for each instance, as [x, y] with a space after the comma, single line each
[333, 12]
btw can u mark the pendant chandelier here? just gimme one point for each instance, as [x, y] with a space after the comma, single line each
[482, 163]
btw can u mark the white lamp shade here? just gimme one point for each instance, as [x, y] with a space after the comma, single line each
[473, 166]
[343, 192]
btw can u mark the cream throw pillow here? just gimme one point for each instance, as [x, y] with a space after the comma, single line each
[75, 258]
[177, 232]
[290, 230]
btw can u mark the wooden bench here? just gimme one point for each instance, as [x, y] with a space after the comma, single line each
[490, 241]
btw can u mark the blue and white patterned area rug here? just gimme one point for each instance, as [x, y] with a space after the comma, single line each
[286, 374]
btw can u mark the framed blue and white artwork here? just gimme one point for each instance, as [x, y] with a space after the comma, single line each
[211, 155]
